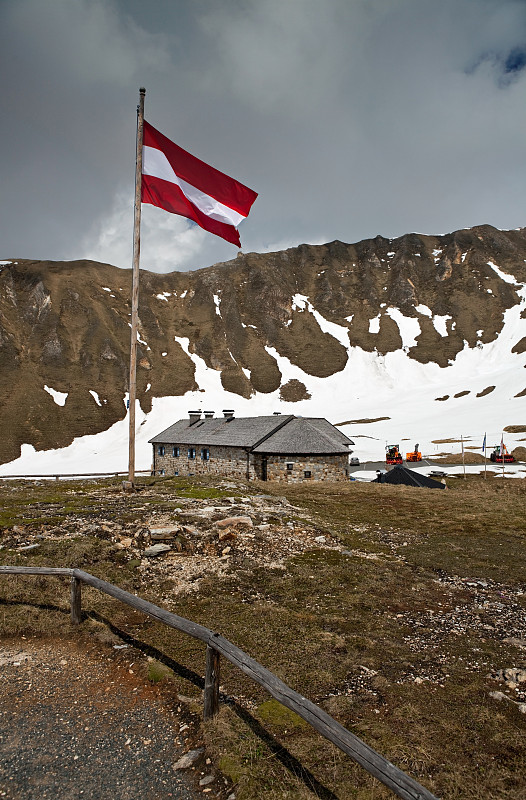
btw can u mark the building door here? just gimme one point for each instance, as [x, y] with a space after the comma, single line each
[263, 469]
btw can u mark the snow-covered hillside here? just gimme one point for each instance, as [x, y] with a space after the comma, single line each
[418, 402]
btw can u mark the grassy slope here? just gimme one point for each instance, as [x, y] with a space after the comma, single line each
[351, 630]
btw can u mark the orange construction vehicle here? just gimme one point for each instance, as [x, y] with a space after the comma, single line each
[416, 455]
[500, 455]
[392, 454]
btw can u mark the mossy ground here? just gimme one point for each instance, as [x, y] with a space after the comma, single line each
[348, 628]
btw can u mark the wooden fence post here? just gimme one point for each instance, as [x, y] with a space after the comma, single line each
[76, 601]
[211, 698]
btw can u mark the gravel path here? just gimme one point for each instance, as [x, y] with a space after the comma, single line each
[76, 722]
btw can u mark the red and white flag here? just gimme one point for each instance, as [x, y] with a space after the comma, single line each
[180, 183]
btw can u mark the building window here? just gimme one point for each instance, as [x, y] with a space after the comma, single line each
[290, 467]
[205, 454]
[191, 452]
[162, 472]
[162, 450]
[307, 473]
[176, 472]
[175, 452]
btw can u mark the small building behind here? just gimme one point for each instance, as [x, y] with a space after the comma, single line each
[275, 448]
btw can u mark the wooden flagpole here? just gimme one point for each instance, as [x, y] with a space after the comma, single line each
[135, 286]
[463, 457]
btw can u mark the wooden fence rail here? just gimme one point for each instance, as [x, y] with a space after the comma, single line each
[58, 475]
[216, 645]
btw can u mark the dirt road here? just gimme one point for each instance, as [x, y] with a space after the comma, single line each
[76, 721]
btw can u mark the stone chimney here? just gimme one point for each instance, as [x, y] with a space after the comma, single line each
[228, 413]
[194, 416]
[208, 414]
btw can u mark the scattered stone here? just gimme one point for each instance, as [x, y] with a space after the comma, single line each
[189, 759]
[320, 539]
[163, 534]
[520, 643]
[15, 659]
[207, 780]
[498, 696]
[226, 534]
[189, 530]
[29, 547]
[126, 542]
[156, 550]
[511, 676]
[234, 522]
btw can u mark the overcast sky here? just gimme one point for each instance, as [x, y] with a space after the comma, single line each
[350, 118]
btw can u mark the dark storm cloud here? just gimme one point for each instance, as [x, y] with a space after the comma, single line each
[349, 119]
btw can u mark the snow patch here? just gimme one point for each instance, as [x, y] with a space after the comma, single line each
[217, 302]
[95, 397]
[424, 310]
[339, 332]
[163, 296]
[409, 327]
[58, 397]
[440, 323]
[503, 275]
[106, 289]
[207, 379]
[374, 324]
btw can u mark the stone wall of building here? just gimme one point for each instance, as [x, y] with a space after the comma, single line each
[299, 469]
[232, 461]
[222, 461]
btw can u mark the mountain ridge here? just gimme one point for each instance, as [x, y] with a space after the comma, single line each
[65, 325]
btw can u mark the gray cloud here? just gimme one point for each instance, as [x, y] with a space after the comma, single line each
[349, 119]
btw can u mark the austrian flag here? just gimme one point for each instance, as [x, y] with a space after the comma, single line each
[180, 183]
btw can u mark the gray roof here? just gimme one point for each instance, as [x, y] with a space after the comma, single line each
[275, 434]
[305, 435]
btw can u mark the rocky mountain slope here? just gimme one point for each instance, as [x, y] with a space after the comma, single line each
[278, 326]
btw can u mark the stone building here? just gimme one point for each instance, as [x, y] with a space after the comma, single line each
[275, 448]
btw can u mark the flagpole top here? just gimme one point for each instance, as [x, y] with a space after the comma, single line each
[142, 91]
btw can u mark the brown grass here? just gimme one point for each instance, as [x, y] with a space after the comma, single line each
[337, 625]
